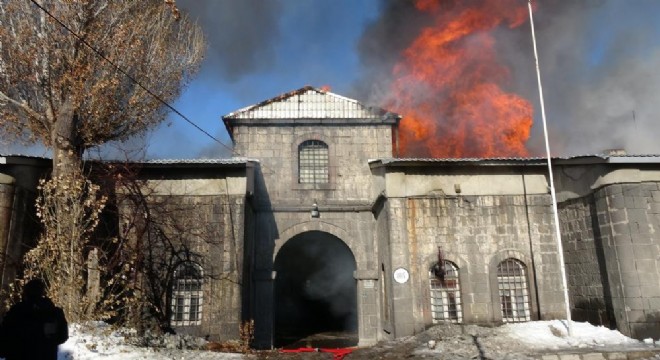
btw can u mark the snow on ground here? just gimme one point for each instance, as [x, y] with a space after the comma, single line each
[100, 341]
[553, 335]
[512, 341]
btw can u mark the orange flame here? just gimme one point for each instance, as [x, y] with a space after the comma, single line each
[448, 84]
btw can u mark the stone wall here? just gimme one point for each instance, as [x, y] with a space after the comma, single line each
[475, 233]
[629, 224]
[282, 206]
[612, 241]
[585, 264]
[198, 213]
[211, 229]
[349, 147]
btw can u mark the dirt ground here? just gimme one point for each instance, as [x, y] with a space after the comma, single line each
[451, 342]
[459, 342]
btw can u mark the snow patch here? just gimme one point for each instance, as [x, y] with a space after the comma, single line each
[97, 340]
[553, 334]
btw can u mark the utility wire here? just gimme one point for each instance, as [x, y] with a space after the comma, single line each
[137, 82]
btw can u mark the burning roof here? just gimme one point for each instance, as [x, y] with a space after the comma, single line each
[451, 88]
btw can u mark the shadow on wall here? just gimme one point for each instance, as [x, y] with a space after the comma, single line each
[593, 311]
[261, 230]
[648, 327]
[607, 318]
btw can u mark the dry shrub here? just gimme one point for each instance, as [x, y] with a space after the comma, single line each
[246, 334]
[69, 207]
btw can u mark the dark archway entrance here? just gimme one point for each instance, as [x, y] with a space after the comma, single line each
[315, 291]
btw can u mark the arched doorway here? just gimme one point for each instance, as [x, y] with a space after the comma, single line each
[315, 291]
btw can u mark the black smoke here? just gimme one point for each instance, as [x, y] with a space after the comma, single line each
[241, 35]
[315, 291]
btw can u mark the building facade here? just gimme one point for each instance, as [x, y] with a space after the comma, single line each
[319, 226]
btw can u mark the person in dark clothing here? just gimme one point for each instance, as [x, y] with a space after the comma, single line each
[33, 328]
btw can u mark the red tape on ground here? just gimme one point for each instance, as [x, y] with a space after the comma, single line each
[338, 354]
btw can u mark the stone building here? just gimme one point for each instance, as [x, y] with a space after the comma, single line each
[319, 225]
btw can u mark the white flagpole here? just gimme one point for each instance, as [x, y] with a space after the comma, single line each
[560, 247]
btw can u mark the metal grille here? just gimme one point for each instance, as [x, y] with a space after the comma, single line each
[514, 296]
[313, 162]
[446, 295]
[187, 295]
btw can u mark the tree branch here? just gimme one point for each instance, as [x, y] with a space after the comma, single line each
[22, 105]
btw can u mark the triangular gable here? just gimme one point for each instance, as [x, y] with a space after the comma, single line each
[308, 103]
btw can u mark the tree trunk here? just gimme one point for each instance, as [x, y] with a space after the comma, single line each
[67, 146]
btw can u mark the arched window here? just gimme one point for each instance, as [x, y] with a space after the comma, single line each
[187, 295]
[445, 293]
[512, 285]
[313, 162]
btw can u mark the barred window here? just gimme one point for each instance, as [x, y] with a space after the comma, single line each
[313, 162]
[514, 295]
[446, 303]
[187, 295]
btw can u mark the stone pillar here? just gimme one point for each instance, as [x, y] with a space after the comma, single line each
[367, 306]
[628, 217]
[402, 291]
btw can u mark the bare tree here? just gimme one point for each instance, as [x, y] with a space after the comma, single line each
[77, 74]
[59, 78]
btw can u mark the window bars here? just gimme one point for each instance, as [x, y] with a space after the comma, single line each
[187, 295]
[514, 295]
[446, 303]
[313, 162]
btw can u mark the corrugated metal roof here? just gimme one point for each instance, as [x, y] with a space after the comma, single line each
[593, 158]
[457, 161]
[634, 155]
[225, 161]
[310, 103]
[24, 160]
[25, 156]
[234, 160]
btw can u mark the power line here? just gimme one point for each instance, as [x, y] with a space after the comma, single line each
[97, 52]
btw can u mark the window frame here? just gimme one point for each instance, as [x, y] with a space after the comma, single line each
[316, 170]
[295, 161]
[512, 286]
[443, 298]
[184, 290]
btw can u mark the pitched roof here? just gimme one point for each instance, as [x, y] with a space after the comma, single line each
[310, 103]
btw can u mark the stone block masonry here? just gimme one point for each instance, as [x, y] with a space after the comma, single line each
[476, 233]
[612, 242]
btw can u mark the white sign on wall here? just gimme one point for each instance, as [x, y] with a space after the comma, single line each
[401, 275]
